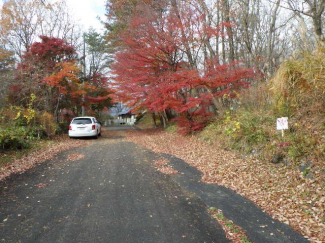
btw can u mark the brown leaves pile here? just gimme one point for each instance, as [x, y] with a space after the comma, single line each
[74, 157]
[282, 192]
[162, 166]
[39, 156]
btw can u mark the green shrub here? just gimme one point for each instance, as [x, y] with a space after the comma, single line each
[171, 128]
[301, 145]
[246, 130]
[13, 138]
[36, 131]
[62, 128]
[240, 130]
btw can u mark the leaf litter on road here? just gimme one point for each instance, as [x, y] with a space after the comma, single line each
[282, 192]
[75, 156]
[20, 165]
[41, 185]
[162, 165]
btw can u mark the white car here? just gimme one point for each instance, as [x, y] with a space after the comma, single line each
[86, 126]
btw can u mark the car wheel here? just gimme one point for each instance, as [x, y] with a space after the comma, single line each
[96, 136]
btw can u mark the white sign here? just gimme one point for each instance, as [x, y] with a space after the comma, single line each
[282, 123]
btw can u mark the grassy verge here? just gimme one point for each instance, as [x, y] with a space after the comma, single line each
[7, 157]
[38, 152]
[233, 232]
[146, 121]
[254, 132]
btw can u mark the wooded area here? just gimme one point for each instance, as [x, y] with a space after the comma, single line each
[178, 59]
[190, 63]
[190, 60]
[223, 70]
[50, 70]
[230, 68]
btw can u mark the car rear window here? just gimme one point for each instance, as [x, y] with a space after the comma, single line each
[81, 121]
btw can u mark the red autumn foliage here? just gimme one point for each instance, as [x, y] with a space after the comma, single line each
[49, 71]
[50, 51]
[98, 95]
[151, 71]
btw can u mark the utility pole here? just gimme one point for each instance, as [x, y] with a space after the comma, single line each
[84, 77]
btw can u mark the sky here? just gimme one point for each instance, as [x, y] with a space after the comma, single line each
[85, 12]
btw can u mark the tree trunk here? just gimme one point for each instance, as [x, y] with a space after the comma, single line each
[56, 113]
[317, 12]
[162, 119]
[154, 119]
[185, 40]
[270, 37]
[223, 44]
[207, 23]
[226, 9]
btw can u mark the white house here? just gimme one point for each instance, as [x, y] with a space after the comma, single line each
[127, 118]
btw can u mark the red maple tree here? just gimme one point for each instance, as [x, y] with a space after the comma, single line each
[151, 70]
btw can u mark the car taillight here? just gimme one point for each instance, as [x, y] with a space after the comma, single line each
[94, 127]
[70, 128]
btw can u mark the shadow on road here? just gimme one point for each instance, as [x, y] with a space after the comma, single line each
[260, 227]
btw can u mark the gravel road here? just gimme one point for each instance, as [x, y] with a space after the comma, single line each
[112, 194]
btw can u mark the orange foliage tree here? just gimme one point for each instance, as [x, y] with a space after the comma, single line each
[50, 72]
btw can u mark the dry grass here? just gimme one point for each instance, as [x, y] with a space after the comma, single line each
[300, 82]
[257, 96]
[146, 122]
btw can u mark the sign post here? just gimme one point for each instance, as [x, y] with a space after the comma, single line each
[282, 124]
